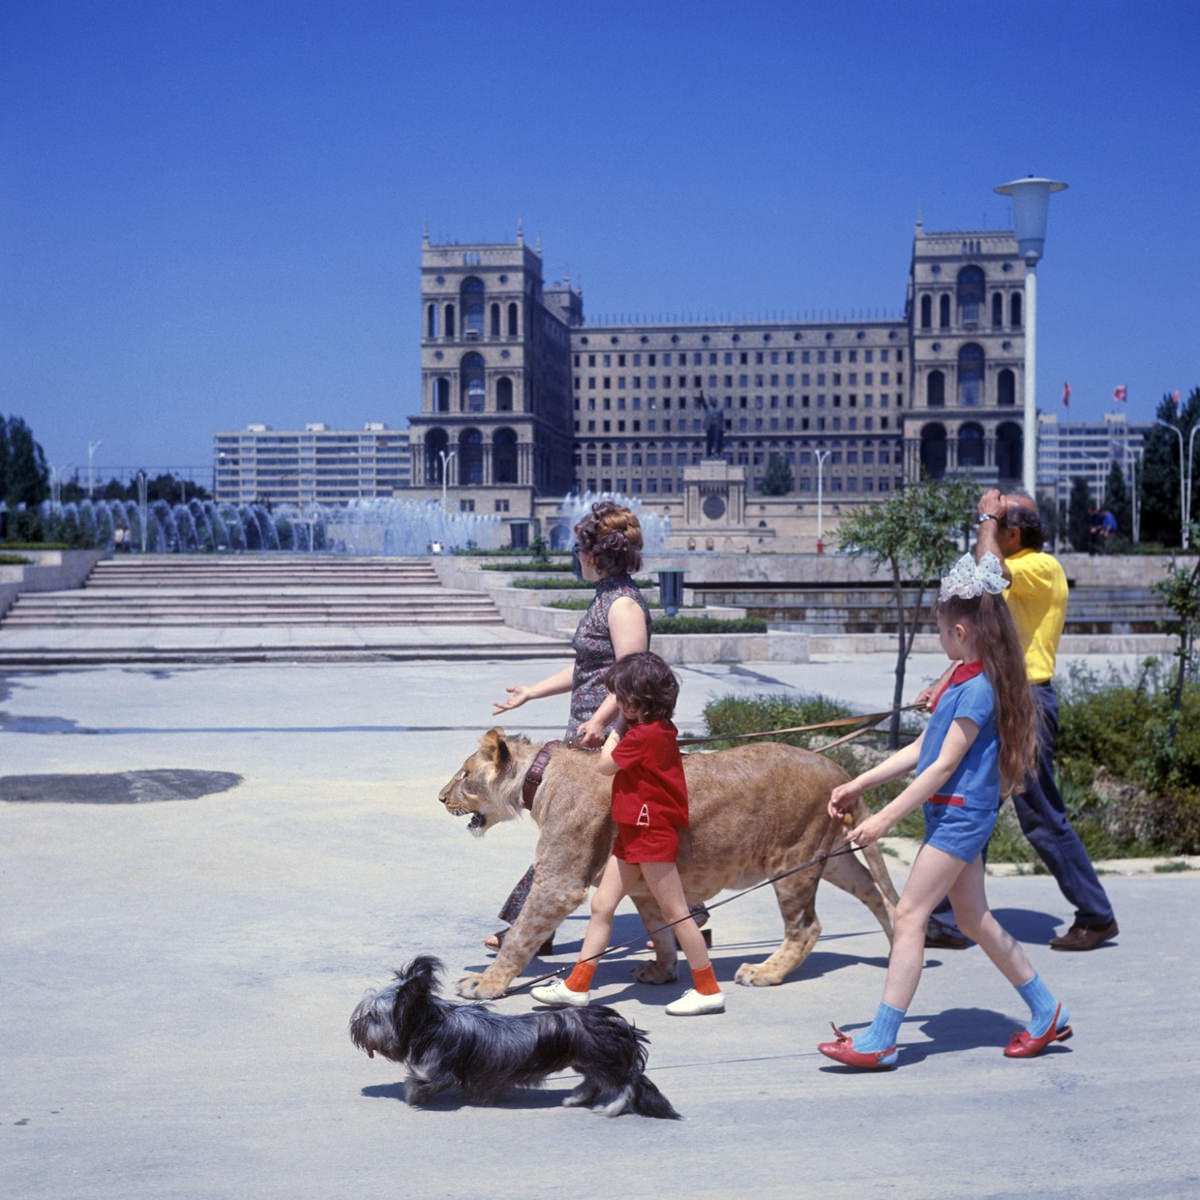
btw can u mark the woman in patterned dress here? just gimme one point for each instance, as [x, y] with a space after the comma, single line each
[616, 624]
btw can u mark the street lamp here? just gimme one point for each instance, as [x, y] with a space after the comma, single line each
[1185, 477]
[445, 471]
[821, 456]
[92, 448]
[1030, 200]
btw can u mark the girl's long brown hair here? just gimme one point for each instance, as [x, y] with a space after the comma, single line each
[1003, 661]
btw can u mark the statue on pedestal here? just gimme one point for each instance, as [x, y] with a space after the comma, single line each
[714, 426]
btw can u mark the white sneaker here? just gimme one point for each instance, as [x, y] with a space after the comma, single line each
[693, 1004]
[558, 993]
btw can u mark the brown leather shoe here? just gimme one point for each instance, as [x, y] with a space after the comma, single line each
[1081, 937]
[940, 936]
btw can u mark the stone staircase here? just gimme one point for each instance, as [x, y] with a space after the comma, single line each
[244, 607]
[244, 590]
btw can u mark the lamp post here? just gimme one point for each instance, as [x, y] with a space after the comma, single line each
[92, 448]
[143, 507]
[820, 456]
[1030, 200]
[445, 471]
[1185, 478]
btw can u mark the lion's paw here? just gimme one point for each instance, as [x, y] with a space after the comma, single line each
[655, 972]
[477, 987]
[753, 975]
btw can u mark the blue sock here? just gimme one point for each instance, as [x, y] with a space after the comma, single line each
[881, 1035]
[1042, 1005]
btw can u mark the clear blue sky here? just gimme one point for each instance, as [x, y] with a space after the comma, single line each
[211, 211]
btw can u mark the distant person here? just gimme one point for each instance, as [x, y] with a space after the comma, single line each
[1010, 527]
[1102, 526]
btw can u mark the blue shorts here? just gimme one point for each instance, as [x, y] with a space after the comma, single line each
[958, 828]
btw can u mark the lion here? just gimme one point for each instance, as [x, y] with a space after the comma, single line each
[756, 811]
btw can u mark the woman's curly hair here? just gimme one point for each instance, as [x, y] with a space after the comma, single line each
[611, 534]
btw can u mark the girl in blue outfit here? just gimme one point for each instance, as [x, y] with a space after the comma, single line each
[978, 746]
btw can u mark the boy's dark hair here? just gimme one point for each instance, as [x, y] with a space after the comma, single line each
[643, 681]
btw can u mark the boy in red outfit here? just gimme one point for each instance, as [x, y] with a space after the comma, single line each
[649, 807]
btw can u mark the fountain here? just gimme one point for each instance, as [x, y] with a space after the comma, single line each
[361, 527]
[656, 527]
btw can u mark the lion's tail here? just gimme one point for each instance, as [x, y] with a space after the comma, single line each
[872, 855]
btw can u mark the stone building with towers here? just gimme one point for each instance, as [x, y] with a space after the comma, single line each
[523, 401]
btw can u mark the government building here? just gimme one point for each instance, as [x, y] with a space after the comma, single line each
[523, 401]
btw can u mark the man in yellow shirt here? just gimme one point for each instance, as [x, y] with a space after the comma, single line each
[1011, 528]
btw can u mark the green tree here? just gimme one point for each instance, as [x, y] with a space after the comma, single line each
[1160, 470]
[1180, 590]
[1079, 522]
[26, 477]
[778, 479]
[1116, 499]
[916, 534]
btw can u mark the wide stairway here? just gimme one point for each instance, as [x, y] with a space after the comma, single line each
[192, 608]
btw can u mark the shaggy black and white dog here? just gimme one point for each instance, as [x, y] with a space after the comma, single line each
[485, 1053]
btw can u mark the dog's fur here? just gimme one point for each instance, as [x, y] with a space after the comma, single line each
[484, 1053]
[756, 811]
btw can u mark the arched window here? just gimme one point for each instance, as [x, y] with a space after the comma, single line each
[1015, 305]
[441, 394]
[944, 312]
[997, 309]
[1009, 451]
[970, 375]
[970, 295]
[514, 329]
[471, 295]
[470, 457]
[436, 442]
[935, 389]
[449, 320]
[1006, 388]
[504, 456]
[504, 394]
[494, 317]
[472, 389]
[933, 451]
[926, 312]
[431, 321]
[970, 445]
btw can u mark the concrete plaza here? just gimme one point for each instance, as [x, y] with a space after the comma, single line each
[177, 975]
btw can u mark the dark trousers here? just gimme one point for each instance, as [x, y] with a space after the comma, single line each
[1044, 822]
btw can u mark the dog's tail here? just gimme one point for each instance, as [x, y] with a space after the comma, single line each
[648, 1101]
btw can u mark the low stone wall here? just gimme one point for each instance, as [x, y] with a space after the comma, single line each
[49, 571]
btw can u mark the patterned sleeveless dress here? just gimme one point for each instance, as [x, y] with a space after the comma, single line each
[593, 656]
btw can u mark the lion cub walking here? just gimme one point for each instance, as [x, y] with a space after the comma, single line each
[649, 806]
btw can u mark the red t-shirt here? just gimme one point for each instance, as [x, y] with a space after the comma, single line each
[649, 788]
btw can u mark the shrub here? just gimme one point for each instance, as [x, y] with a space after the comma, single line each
[710, 625]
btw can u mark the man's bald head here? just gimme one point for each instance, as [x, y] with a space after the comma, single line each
[1021, 513]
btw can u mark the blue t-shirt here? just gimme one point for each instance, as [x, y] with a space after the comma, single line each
[975, 784]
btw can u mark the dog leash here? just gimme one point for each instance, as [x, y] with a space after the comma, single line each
[866, 720]
[844, 848]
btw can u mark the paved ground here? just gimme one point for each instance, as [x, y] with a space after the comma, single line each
[177, 975]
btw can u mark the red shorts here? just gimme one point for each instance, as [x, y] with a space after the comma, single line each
[646, 843]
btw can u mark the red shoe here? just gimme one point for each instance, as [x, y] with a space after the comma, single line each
[1024, 1045]
[843, 1051]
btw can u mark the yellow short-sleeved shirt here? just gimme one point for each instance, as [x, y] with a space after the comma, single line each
[1037, 600]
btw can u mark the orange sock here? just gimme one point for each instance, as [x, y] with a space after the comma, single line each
[705, 982]
[580, 978]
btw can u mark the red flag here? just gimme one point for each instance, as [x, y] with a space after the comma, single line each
[1175, 397]
[1066, 395]
[1119, 392]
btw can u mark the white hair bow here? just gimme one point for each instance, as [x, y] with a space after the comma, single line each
[968, 578]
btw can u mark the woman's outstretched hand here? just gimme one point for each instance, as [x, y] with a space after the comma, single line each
[516, 697]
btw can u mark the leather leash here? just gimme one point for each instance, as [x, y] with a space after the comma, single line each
[866, 720]
[844, 848]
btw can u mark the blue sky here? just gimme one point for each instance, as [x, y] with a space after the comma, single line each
[211, 212]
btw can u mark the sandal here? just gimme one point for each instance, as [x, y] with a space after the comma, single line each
[497, 940]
